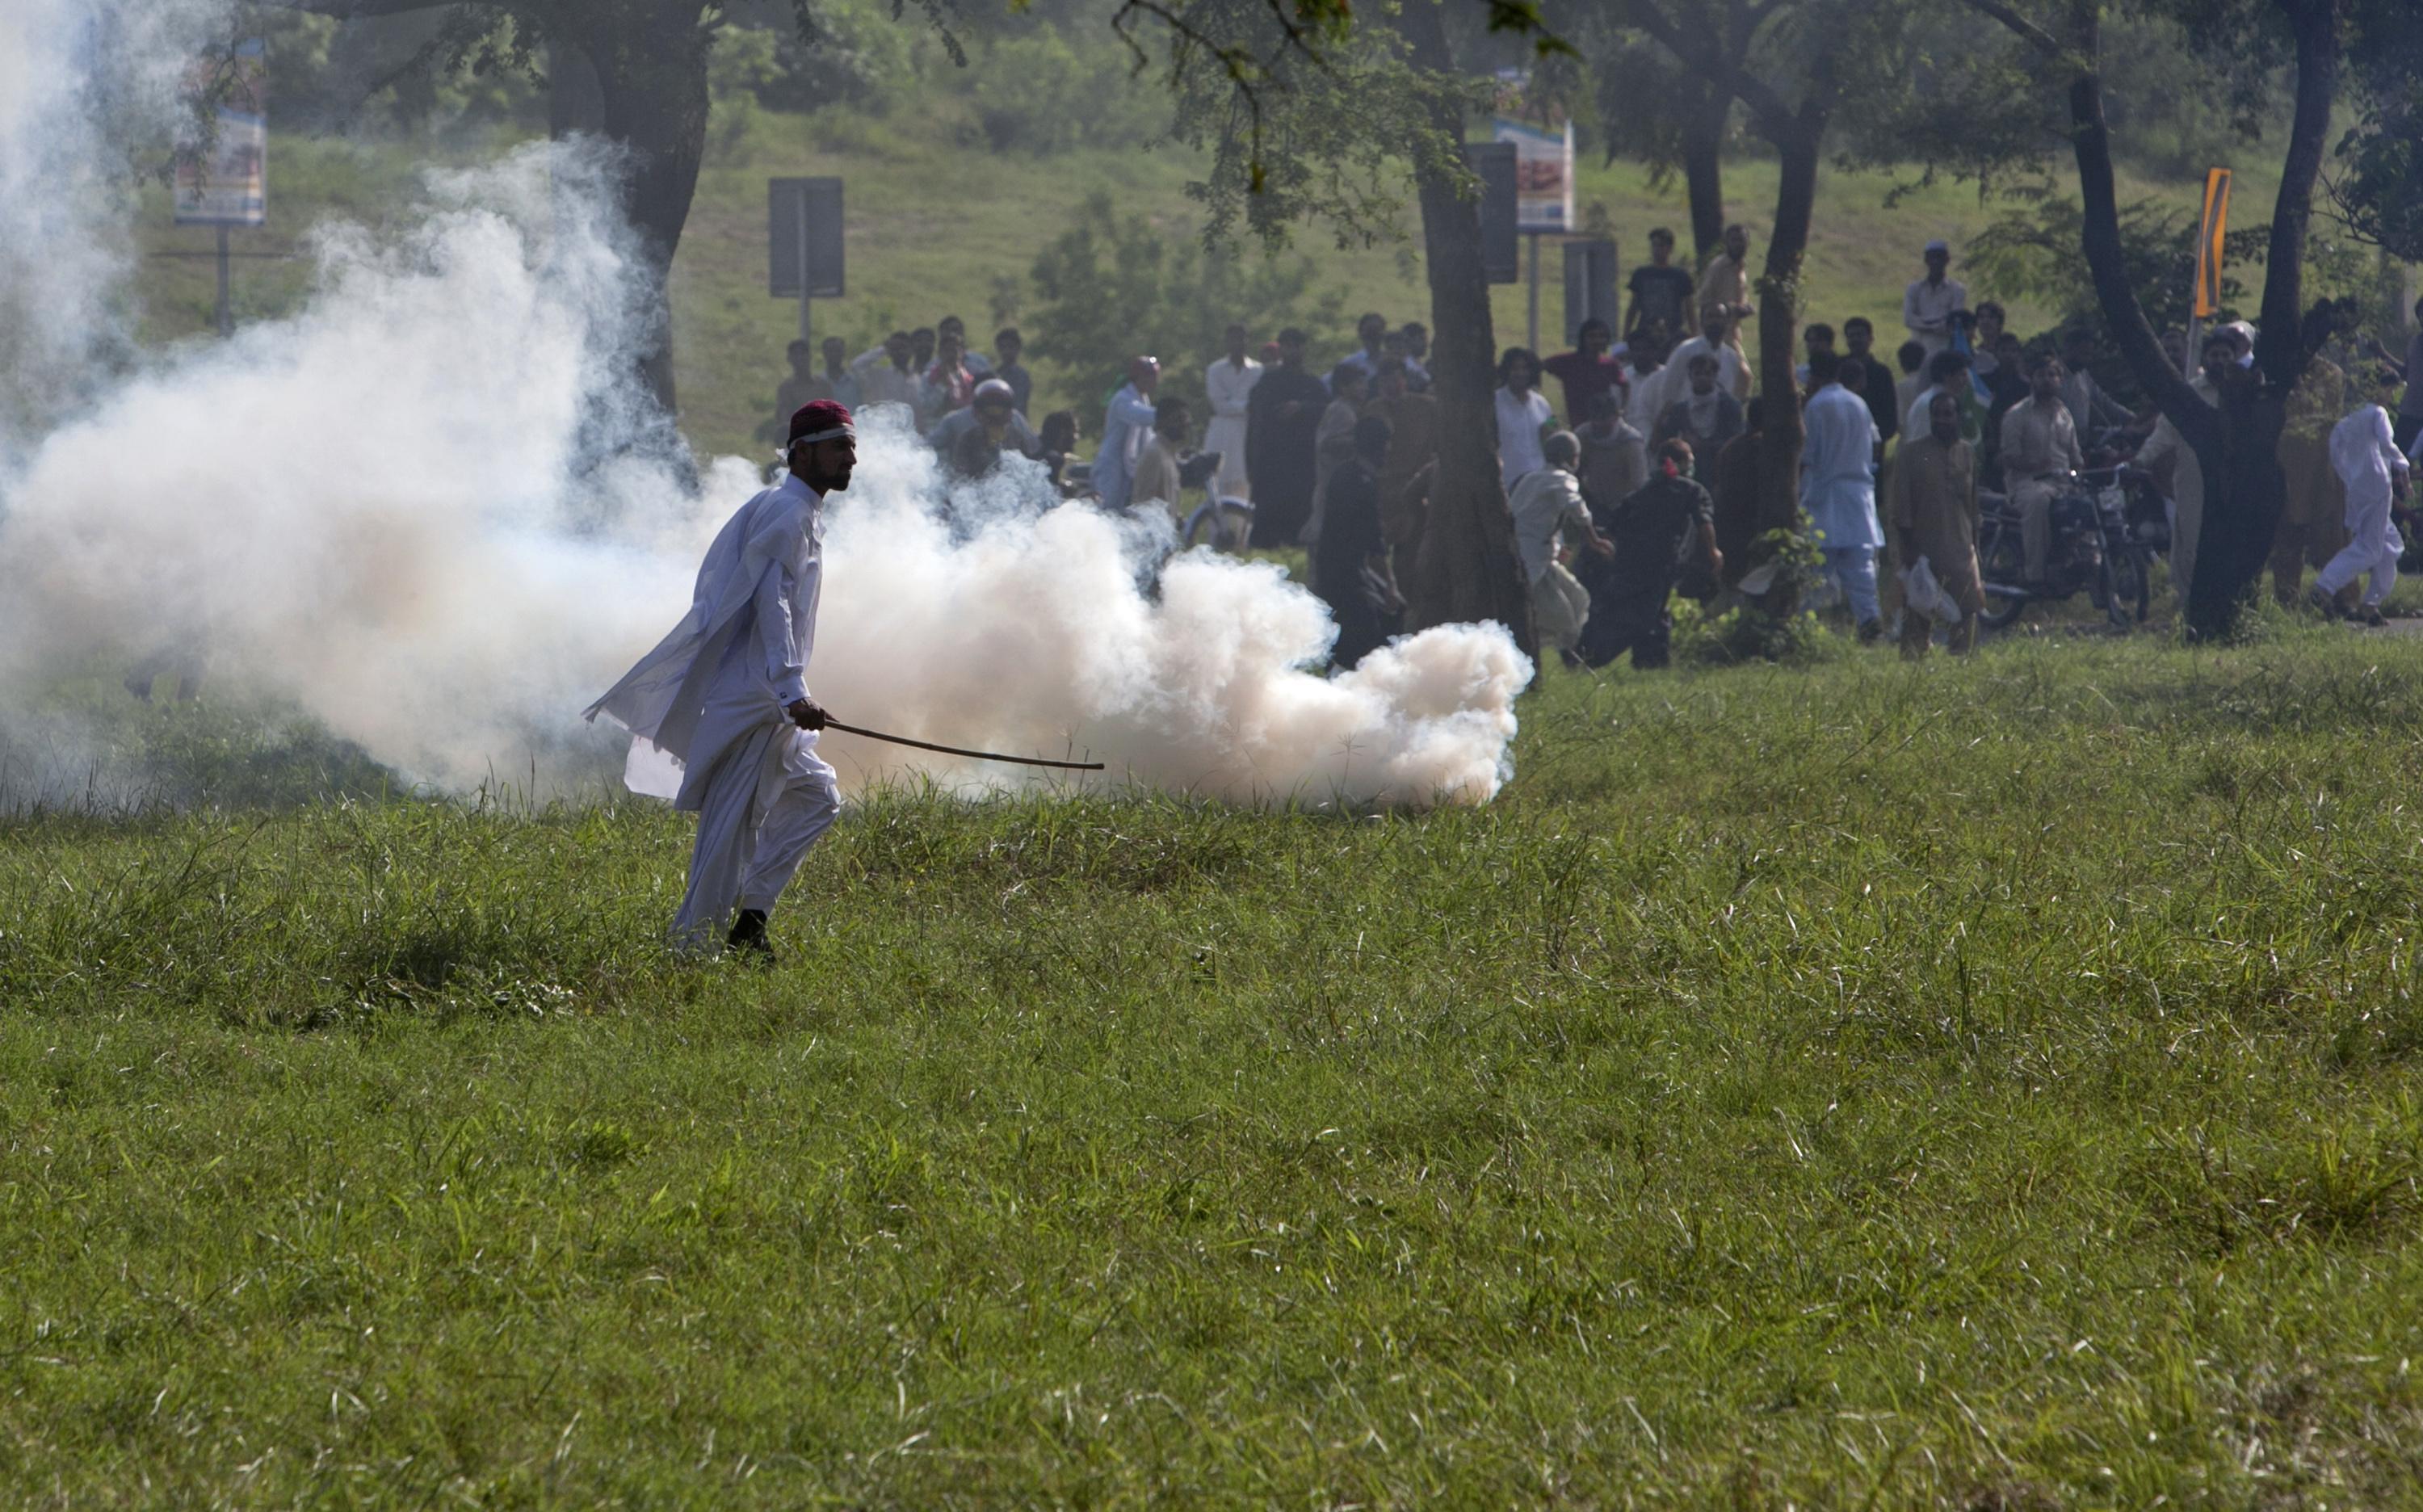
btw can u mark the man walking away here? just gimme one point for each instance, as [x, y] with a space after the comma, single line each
[1656, 529]
[1125, 424]
[2364, 449]
[2039, 452]
[1838, 488]
[1350, 563]
[1282, 416]
[718, 712]
[1229, 383]
[1933, 505]
[1660, 291]
[1928, 303]
[1546, 505]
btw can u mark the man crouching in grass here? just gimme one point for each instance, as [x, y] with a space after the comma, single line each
[720, 706]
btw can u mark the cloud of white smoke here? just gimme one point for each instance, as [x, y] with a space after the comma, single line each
[372, 509]
[81, 81]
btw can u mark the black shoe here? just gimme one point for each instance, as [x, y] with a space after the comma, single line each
[2319, 602]
[1870, 630]
[2374, 617]
[748, 937]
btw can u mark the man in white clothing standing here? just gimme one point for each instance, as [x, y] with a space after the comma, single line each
[2368, 460]
[718, 712]
[1229, 383]
[1927, 305]
[1523, 418]
[1838, 484]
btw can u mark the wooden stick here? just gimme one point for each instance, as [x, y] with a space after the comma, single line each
[832, 723]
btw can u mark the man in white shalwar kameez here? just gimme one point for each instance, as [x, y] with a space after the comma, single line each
[718, 712]
[2375, 472]
[1230, 382]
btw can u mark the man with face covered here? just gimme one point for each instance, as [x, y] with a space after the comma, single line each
[993, 414]
[1673, 380]
[1931, 508]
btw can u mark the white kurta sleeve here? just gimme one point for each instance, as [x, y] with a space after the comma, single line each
[779, 631]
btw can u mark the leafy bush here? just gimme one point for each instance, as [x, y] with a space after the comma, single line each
[1037, 93]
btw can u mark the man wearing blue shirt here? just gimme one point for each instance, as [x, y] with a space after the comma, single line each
[1838, 484]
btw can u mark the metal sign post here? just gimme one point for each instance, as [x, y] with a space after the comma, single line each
[229, 184]
[1531, 296]
[803, 237]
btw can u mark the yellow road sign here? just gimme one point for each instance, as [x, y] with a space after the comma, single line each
[2216, 226]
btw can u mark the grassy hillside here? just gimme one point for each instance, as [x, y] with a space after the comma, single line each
[939, 228]
[1971, 1085]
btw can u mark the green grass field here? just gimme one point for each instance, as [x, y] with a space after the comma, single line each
[934, 226]
[1982, 1085]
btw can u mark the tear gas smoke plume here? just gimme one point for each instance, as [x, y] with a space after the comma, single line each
[381, 509]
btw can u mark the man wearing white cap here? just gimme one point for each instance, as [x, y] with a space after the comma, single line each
[719, 715]
[1927, 305]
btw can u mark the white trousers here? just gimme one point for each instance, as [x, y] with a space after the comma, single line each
[2373, 546]
[754, 831]
[1560, 607]
[1226, 434]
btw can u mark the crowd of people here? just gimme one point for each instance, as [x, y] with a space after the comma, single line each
[1642, 479]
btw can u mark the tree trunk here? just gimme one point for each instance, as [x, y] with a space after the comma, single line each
[1796, 140]
[574, 102]
[2237, 445]
[1469, 570]
[1703, 135]
[651, 70]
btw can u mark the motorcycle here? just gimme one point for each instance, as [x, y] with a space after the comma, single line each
[2108, 524]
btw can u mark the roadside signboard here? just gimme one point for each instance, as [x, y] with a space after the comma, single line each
[2208, 244]
[803, 238]
[1543, 174]
[227, 182]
